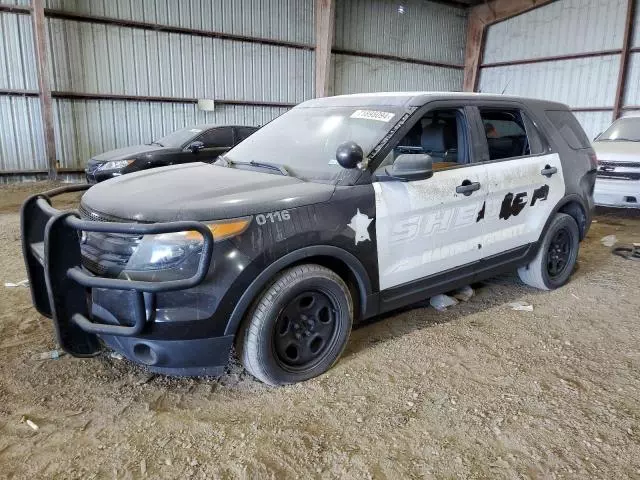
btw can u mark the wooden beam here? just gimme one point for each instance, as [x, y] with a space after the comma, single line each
[21, 9]
[624, 59]
[473, 52]
[397, 58]
[44, 85]
[325, 22]
[480, 17]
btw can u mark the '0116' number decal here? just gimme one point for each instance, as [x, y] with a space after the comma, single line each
[273, 217]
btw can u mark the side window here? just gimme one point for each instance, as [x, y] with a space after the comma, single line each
[442, 134]
[217, 137]
[508, 134]
[243, 132]
[569, 128]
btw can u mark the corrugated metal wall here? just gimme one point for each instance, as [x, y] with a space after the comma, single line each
[94, 58]
[98, 58]
[415, 29]
[288, 20]
[564, 27]
[84, 127]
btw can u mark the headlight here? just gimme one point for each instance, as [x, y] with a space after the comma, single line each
[173, 250]
[115, 165]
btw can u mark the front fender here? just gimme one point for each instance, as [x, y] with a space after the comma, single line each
[268, 273]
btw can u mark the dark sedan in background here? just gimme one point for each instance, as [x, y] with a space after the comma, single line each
[197, 143]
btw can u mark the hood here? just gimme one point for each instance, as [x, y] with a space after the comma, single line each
[126, 153]
[617, 151]
[198, 191]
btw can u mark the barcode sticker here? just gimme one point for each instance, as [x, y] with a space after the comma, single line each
[373, 115]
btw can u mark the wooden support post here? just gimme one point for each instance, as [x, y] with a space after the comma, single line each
[44, 85]
[480, 17]
[325, 22]
[624, 59]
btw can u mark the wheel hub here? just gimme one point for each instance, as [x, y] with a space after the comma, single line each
[305, 329]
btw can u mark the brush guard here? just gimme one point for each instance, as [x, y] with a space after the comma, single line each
[61, 287]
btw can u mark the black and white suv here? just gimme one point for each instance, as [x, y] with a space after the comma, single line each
[339, 210]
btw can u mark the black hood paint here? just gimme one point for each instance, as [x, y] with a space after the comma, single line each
[127, 153]
[198, 191]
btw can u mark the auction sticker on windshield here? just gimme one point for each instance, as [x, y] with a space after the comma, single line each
[373, 115]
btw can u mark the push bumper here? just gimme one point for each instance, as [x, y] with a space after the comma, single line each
[617, 193]
[61, 290]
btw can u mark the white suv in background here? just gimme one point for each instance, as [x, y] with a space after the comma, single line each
[618, 152]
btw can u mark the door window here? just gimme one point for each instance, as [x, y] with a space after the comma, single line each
[442, 134]
[244, 132]
[509, 134]
[217, 137]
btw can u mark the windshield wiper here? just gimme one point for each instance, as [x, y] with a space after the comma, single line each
[156, 143]
[618, 140]
[271, 166]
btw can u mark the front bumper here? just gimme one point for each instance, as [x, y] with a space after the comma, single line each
[617, 193]
[62, 290]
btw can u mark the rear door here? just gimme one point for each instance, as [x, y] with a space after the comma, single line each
[525, 179]
[429, 227]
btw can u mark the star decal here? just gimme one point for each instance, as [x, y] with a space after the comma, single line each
[360, 225]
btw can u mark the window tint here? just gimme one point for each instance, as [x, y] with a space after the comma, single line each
[569, 128]
[244, 132]
[217, 137]
[507, 134]
[442, 134]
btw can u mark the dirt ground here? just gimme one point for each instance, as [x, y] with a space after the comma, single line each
[479, 391]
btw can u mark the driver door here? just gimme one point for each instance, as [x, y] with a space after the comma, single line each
[429, 227]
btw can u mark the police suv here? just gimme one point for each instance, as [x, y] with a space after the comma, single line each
[341, 209]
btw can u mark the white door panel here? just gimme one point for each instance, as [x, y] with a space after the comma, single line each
[520, 200]
[424, 227]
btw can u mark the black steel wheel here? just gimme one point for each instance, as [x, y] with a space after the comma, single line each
[559, 252]
[298, 327]
[305, 330]
[553, 264]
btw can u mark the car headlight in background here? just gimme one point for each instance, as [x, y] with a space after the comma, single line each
[172, 250]
[115, 165]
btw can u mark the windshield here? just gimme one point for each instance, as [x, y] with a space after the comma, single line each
[304, 140]
[622, 130]
[179, 137]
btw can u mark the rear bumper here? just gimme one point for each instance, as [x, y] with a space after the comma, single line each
[617, 193]
[62, 290]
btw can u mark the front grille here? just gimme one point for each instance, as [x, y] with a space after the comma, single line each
[607, 163]
[106, 254]
[87, 213]
[619, 175]
[93, 166]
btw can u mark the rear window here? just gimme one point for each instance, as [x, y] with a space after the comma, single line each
[569, 128]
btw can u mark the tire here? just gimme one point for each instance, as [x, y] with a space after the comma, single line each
[546, 271]
[298, 326]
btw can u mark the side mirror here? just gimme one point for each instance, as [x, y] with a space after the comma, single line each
[411, 166]
[195, 147]
[349, 155]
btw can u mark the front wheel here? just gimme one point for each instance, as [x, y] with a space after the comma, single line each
[298, 327]
[556, 258]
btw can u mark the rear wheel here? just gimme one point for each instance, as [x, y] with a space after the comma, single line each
[554, 263]
[298, 327]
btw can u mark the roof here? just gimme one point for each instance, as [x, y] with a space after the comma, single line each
[398, 99]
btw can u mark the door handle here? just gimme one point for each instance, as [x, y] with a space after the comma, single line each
[468, 187]
[548, 170]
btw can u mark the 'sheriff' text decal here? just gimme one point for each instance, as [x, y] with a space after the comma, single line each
[444, 220]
